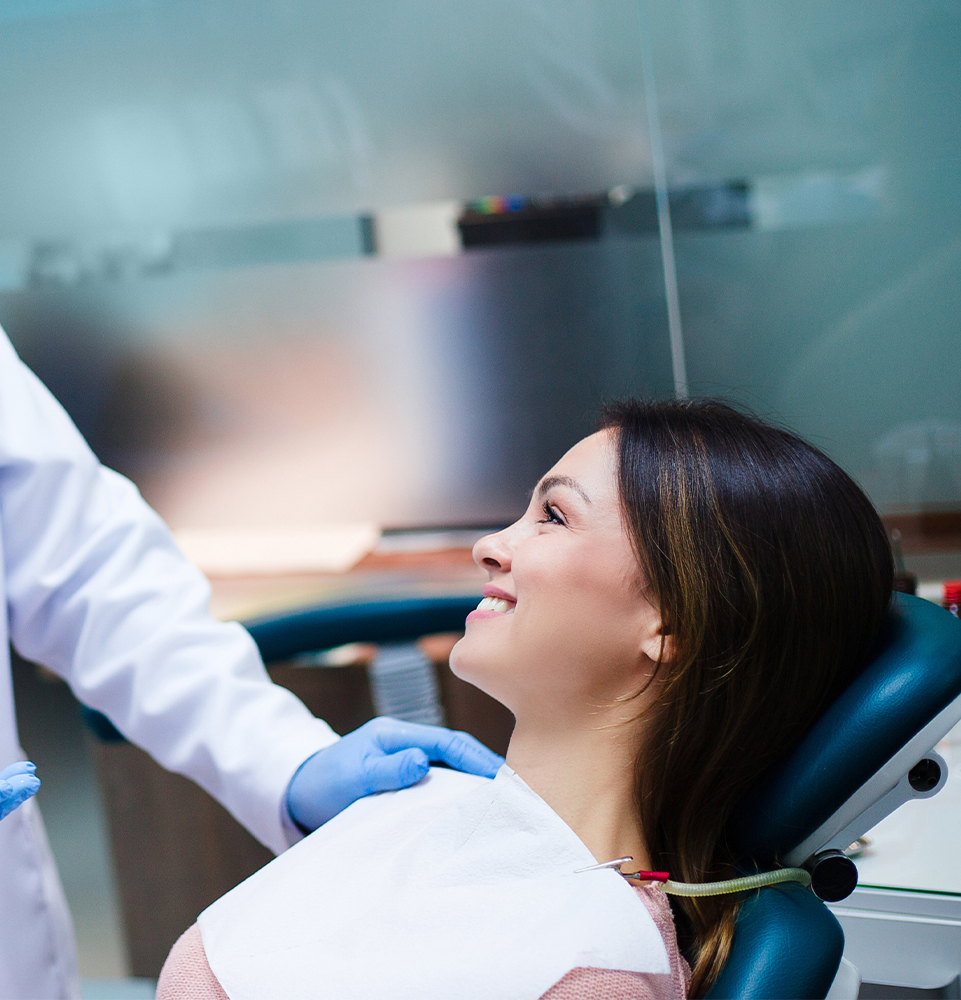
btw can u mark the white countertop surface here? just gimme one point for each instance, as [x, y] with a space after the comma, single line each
[919, 845]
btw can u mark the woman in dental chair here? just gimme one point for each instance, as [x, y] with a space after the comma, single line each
[687, 590]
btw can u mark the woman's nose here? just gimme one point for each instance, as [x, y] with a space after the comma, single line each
[493, 553]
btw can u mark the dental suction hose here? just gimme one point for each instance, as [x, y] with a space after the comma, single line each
[737, 884]
[744, 884]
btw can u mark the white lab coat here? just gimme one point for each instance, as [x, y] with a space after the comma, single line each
[96, 589]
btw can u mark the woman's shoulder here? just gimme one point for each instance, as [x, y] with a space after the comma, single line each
[611, 984]
[186, 975]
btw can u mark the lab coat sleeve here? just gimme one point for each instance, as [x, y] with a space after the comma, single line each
[98, 591]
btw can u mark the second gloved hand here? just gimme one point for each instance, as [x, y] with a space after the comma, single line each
[17, 784]
[382, 755]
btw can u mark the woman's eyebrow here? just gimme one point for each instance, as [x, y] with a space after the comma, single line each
[551, 481]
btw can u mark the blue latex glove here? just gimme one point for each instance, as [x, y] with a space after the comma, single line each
[380, 756]
[17, 784]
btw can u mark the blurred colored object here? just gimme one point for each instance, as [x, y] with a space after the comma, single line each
[952, 597]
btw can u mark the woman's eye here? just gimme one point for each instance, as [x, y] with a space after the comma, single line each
[551, 515]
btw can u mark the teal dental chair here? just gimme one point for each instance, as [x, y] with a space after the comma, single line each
[870, 752]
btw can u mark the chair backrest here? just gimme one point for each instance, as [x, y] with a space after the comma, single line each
[851, 769]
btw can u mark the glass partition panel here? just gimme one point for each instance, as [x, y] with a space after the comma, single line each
[121, 115]
[174, 173]
[837, 310]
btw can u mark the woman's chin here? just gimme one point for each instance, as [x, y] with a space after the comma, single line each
[469, 667]
[464, 662]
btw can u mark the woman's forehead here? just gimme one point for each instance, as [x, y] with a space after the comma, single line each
[591, 464]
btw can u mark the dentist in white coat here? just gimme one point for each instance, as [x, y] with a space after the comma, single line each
[95, 589]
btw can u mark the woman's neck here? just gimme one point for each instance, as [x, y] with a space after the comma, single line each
[585, 773]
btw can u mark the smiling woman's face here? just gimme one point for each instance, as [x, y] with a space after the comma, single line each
[563, 628]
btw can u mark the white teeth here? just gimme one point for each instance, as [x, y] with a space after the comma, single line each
[496, 604]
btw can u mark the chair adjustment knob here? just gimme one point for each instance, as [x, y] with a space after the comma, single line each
[833, 876]
[924, 775]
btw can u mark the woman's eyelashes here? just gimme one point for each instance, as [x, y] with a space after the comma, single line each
[551, 514]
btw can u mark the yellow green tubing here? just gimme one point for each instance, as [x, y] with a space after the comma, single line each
[737, 884]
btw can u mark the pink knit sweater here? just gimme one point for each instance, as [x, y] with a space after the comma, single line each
[186, 974]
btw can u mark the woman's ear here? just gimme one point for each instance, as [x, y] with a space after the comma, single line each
[658, 643]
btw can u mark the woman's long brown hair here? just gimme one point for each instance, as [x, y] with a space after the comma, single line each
[772, 573]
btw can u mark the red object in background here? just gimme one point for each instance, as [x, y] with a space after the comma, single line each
[951, 600]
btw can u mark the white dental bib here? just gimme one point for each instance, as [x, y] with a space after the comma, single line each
[458, 887]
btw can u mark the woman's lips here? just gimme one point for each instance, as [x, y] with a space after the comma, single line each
[478, 615]
[490, 590]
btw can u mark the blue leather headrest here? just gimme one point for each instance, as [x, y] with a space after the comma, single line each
[916, 674]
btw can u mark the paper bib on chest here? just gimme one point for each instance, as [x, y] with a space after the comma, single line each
[458, 887]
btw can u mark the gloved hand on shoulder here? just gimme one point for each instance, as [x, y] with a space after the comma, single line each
[17, 784]
[382, 755]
